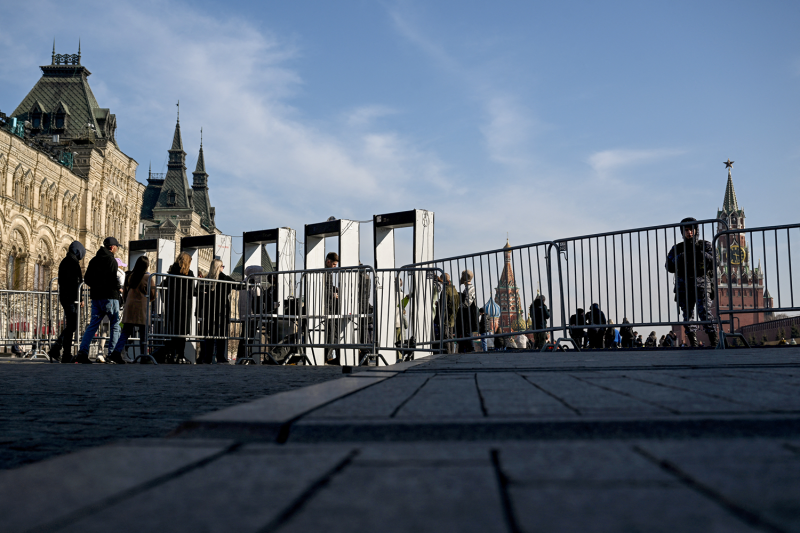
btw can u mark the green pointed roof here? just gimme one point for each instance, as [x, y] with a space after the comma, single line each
[729, 203]
[64, 84]
[175, 180]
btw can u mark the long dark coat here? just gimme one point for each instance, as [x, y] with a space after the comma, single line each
[178, 304]
[214, 306]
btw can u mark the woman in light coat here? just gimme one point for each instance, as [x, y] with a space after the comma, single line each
[134, 313]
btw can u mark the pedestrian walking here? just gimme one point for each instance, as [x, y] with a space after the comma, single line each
[179, 291]
[671, 340]
[638, 342]
[214, 313]
[692, 262]
[101, 277]
[70, 278]
[134, 312]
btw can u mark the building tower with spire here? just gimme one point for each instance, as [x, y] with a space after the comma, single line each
[746, 289]
[171, 209]
[506, 295]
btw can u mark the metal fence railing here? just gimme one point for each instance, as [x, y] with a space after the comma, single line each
[187, 313]
[410, 306]
[756, 278]
[499, 299]
[25, 325]
[577, 290]
[317, 317]
[644, 277]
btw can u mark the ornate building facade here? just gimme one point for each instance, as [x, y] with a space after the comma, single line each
[171, 209]
[63, 177]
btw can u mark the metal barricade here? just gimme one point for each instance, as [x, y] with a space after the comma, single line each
[187, 313]
[25, 322]
[325, 316]
[407, 303]
[630, 278]
[750, 293]
[512, 286]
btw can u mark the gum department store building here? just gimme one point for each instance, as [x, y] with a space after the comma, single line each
[64, 178]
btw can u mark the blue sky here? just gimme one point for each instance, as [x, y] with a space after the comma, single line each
[541, 119]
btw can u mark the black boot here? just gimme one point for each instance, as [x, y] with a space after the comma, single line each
[83, 357]
[692, 337]
[115, 358]
[66, 357]
[713, 339]
[54, 353]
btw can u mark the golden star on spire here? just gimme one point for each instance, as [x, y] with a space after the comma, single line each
[728, 163]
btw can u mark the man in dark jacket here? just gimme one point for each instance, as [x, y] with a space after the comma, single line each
[70, 278]
[101, 277]
[596, 335]
[692, 262]
[671, 340]
[577, 334]
[539, 314]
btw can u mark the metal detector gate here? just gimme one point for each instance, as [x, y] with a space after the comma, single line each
[253, 244]
[348, 234]
[421, 314]
[165, 256]
[221, 247]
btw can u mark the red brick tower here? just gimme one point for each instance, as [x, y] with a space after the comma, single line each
[512, 316]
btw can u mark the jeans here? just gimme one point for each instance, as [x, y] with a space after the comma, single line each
[127, 330]
[67, 335]
[100, 310]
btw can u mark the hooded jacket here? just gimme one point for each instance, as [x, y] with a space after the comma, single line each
[101, 276]
[70, 275]
[692, 262]
[540, 313]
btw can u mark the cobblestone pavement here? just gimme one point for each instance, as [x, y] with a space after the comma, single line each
[50, 409]
[655, 441]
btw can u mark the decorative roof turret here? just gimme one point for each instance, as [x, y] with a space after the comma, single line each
[730, 206]
[175, 191]
[200, 199]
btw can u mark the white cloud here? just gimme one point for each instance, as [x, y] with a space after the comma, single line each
[607, 162]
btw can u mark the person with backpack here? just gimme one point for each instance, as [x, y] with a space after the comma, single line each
[134, 312]
[101, 277]
[70, 278]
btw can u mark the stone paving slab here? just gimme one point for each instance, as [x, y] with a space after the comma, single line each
[456, 443]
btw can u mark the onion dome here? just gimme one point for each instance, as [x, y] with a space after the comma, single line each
[491, 309]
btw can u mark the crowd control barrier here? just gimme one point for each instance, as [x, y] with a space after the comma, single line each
[503, 299]
[26, 322]
[633, 279]
[409, 310]
[756, 275]
[187, 313]
[322, 315]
